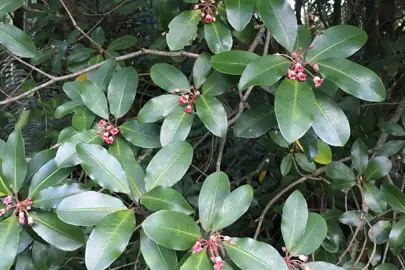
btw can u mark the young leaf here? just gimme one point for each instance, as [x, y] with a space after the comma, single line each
[67, 108]
[218, 37]
[201, 69]
[233, 207]
[379, 232]
[102, 167]
[173, 230]
[169, 78]
[397, 234]
[16, 41]
[50, 197]
[198, 261]
[83, 118]
[239, 13]
[255, 122]
[102, 76]
[359, 156]
[176, 126]
[279, 18]
[214, 190]
[286, 164]
[233, 62]
[394, 197]
[109, 239]
[212, 114]
[377, 168]
[9, 238]
[293, 108]
[294, 219]
[218, 83]
[324, 155]
[183, 29]
[93, 97]
[252, 254]
[157, 108]
[122, 91]
[169, 165]
[142, 135]
[88, 208]
[374, 198]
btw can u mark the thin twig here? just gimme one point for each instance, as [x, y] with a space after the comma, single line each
[267, 43]
[32, 67]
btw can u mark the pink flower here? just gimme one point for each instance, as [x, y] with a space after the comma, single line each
[298, 68]
[317, 81]
[108, 128]
[7, 200]
[183, 99]
[218, 263]
[197, 247]
[303, 258]
[188, 109]
[208, 18]
[101, 123]
[301, 76]
[2, 212]
[21, 221]
[30, 220]
[115, 131]
[316, 67]
[21, 214]
[197, 93]
[291, 74]
[196, 6]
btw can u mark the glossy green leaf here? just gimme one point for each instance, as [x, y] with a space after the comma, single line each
[286, 164]
[214, 190]
[165, 198]
[323, 266]
[255, 122]
[377, 168]
[173, 230]
[102, 76]
[102, 167]
[386, 266]
[201, 69]
[338, 41]
[293, 108]
[169, 78]
[397, 234]
[352, 218]
[330, 122]
[280, 19]
[183, 29]
[218, 83]
[278, 138]
[94, 98]
[98, 36]
[233, 207]
[342, 176]
[391, 148]
[266, 70]
[9, 238]
[169, 165]
[165, 11]
[212, 114]
[40, 261]
[294, 219]
[155, 256]
[57, 233]
[252, 254]
[80, 54]
[67, 108]
[73, 90]
[122, 43]
[10, 5]
[50, 197]
[392, 128]
[142, 135]
[239, 13]
[218, 37]
[24, 261]
[88, 208]
[247, 35]
[379, 232]
[122, 91]
[197, 261]
[158, 108]
[309, 143]
[83, 118]
[353, 79]
[303, 162]
[109, 239]
[176, 126]
[334, 237]
[233, 62]
[359, 156]
[303, 38]
[394, 197]
[16, 41]
[374, 198]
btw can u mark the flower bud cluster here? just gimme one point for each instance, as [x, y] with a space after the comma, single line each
[208, 10]
[108, 131]
[20, 208]
[293, 260]
[188, 98]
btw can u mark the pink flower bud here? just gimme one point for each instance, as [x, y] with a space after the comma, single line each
[176, 90]
[196, 6]
[197, 247]
[183, 99]
[101, 123]
[232, 242]
[7, 200]
[106, 134]
[28, 207]
[197, 93]
[298, 68]
[312, 46]
[316, 67]
[115, 131]
[188, 109]
[317, 81]
[208, 18]
[227, 238]
[21, 220]
[8, 207]
[108, 128]
[284, 249]
[214, 19]
[202, 14]
[301, 76]
[30, 220]
[21, 214]
[291, 74]
[303, 258]
[2, 212]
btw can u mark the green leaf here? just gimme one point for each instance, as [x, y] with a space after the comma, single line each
[391, 148]
[14, 167]
[303, 38]
[98, 35]
[25, 241]
[39, 260]
[315, 233]
[233, 62]
[293, 107]
[123, 43]
[374, 198]
[169, 165]
[16, 41]
[142, 135]
[377, 168]
[48, 175]
[294, 219]
[155, 256]
[353, 79]
[233, 207]
[334, 238]
[266, 70]
[397, 234]
[102, 167]
[102, 76]
[392, 128]
[173, 230]
[67, 108]
[280, 19]
[38, 161]
[352, 218]
[24, 261]
[183, 29]
[80, 54]
[165, 11]
[323, 266]
[165, 198]
[50, 197]
[201, 69]
[197, 261]
[214, 190]
[255, 122]
[122, 91]
[309, 143]
[324, 155]
[158, 108]
[304, 163]
[278, 138]
[176, 126]
[212, 114]
[218, 83]
[7, 6]
[338, 41]
[330, 122]
[252, 254]
[88, 208]
[359, 156]
[57, 233]
[394, 197]
[124, 154]
[9, 238]
[247, 35]
[41, 57]
[341, 175]
[286, 164]
[379, 232]
[239, 13]
[169, 78]
[83, 118]
[93, 97]
[109, 239]
[218, 37]
[386, 266]
[73, 90]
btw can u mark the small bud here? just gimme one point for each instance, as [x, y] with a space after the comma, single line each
[176, 90]
[196, 6]
[227, 238]
[21, 221]
[277, 54]
[109, 127]
[202, 14]
[232, 242]
[216, 13]
[214, 19]
[301, 76]
[316, 67]
[298, 68]
[312, 46]
[218, 259]
[21, 214]
[101, 123]
[53, 47]
[163, 34]
[115, 131]
[106, 134]
[188, 109]
[7, 200]
[317, 81]
[8, 207]
[303, 258]
[2, 212]
[28, 207]
[30, 220]
[284, 249]
[197, 93]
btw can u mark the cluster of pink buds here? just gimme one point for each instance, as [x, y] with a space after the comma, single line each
[293, 260]
[297, 70]
[188, 98]
[108, 131]
[208, 10]
[20, 208]
[211, 245]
